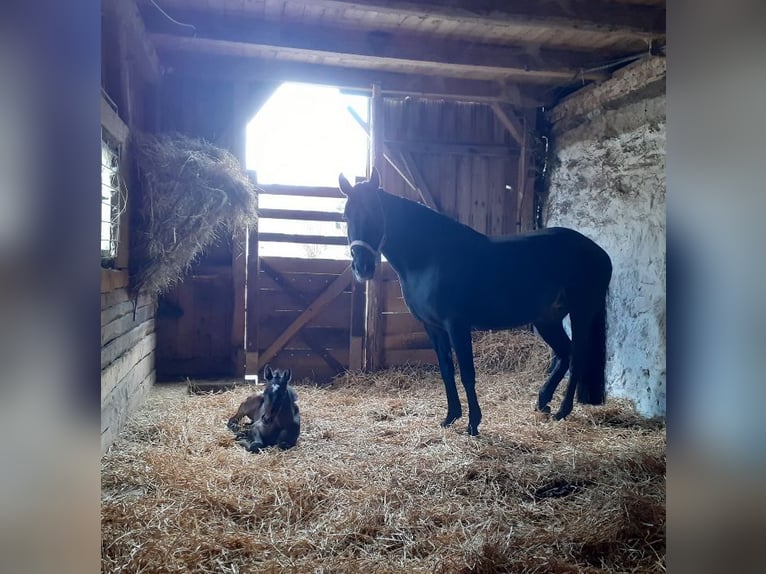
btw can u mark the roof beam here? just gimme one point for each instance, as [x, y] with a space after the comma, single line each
[192, 64]
[587, 15]
[140, 48]
[377, 50]
[605, 16]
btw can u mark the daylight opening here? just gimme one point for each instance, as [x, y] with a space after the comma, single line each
[304, 135]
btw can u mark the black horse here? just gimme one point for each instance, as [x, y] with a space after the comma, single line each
[454, 279]
[275, 416]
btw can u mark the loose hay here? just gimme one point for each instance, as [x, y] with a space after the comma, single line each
[375, 485]
[497, 352]
[191, 192]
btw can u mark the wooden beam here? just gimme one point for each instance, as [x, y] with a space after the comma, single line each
[573, 15]
[589, 16]
[331, 292]
[399, 168]
[140, 47]
[252, 319]
[373, 339]
[312, 239]
[511, 125]
[300, 298]
[425, 192]
[239, 282]
[378, 50]
[112, 122]
[300, 215]
[302, 190]
[393, 84]
[490, 150]
[521, 182]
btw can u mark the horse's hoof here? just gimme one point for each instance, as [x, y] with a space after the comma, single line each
[545, 409]
[450, 419]
[560, 416]
[472, 430]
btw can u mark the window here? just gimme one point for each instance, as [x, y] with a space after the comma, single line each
[114, 133]
[112, 199]
[304, 136]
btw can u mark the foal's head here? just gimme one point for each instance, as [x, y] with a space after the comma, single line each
[365, 222]
[275, 394]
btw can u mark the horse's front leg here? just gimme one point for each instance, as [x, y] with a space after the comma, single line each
[460, 338]
[441, 343]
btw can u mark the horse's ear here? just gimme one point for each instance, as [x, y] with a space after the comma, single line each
[375, 177]
[345, 187]
[287, 374]
[268, 374]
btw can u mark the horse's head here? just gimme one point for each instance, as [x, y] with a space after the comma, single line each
[365, 222]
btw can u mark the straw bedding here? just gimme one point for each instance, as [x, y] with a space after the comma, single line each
[375, 485]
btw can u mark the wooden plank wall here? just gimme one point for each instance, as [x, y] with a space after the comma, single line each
[469, 187]
[277, 310]
[129, 79]
[194, 320]
[127, 357]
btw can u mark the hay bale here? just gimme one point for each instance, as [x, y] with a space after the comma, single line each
[192, 191]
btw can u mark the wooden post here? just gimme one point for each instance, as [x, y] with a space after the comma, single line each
[373, 349]
[239, 275]
[251, 301]
[237, 143]
[521, 182]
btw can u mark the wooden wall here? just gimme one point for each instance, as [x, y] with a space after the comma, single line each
[464, 156]
[194, 319]
[130, 77]
[127, 357]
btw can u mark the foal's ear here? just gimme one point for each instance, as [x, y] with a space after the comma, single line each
[287, 374]
[345, 187]
[268, 374]
[375, 177]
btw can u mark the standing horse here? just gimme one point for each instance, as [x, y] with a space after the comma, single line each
[275, 416]
[454, 279]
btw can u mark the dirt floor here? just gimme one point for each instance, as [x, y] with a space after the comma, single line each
[376, 485]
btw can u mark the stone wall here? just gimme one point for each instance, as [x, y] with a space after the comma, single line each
[607, 180]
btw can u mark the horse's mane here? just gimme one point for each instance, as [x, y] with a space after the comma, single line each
[422, 215]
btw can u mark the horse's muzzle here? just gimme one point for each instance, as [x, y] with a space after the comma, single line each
[363, 268]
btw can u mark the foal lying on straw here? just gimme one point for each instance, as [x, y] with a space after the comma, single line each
[276, 419]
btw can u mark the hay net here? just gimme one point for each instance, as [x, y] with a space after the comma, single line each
[192, 193]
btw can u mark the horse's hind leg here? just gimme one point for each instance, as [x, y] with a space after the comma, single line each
[580, 322]
[441, 343]
[553, 333]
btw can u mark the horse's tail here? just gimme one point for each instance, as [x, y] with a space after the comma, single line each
[591, 388]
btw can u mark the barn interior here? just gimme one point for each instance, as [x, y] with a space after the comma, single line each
[505, 116]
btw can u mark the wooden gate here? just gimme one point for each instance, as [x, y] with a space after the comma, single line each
[298, 310]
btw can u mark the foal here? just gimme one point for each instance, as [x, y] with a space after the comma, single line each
[274, 412]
